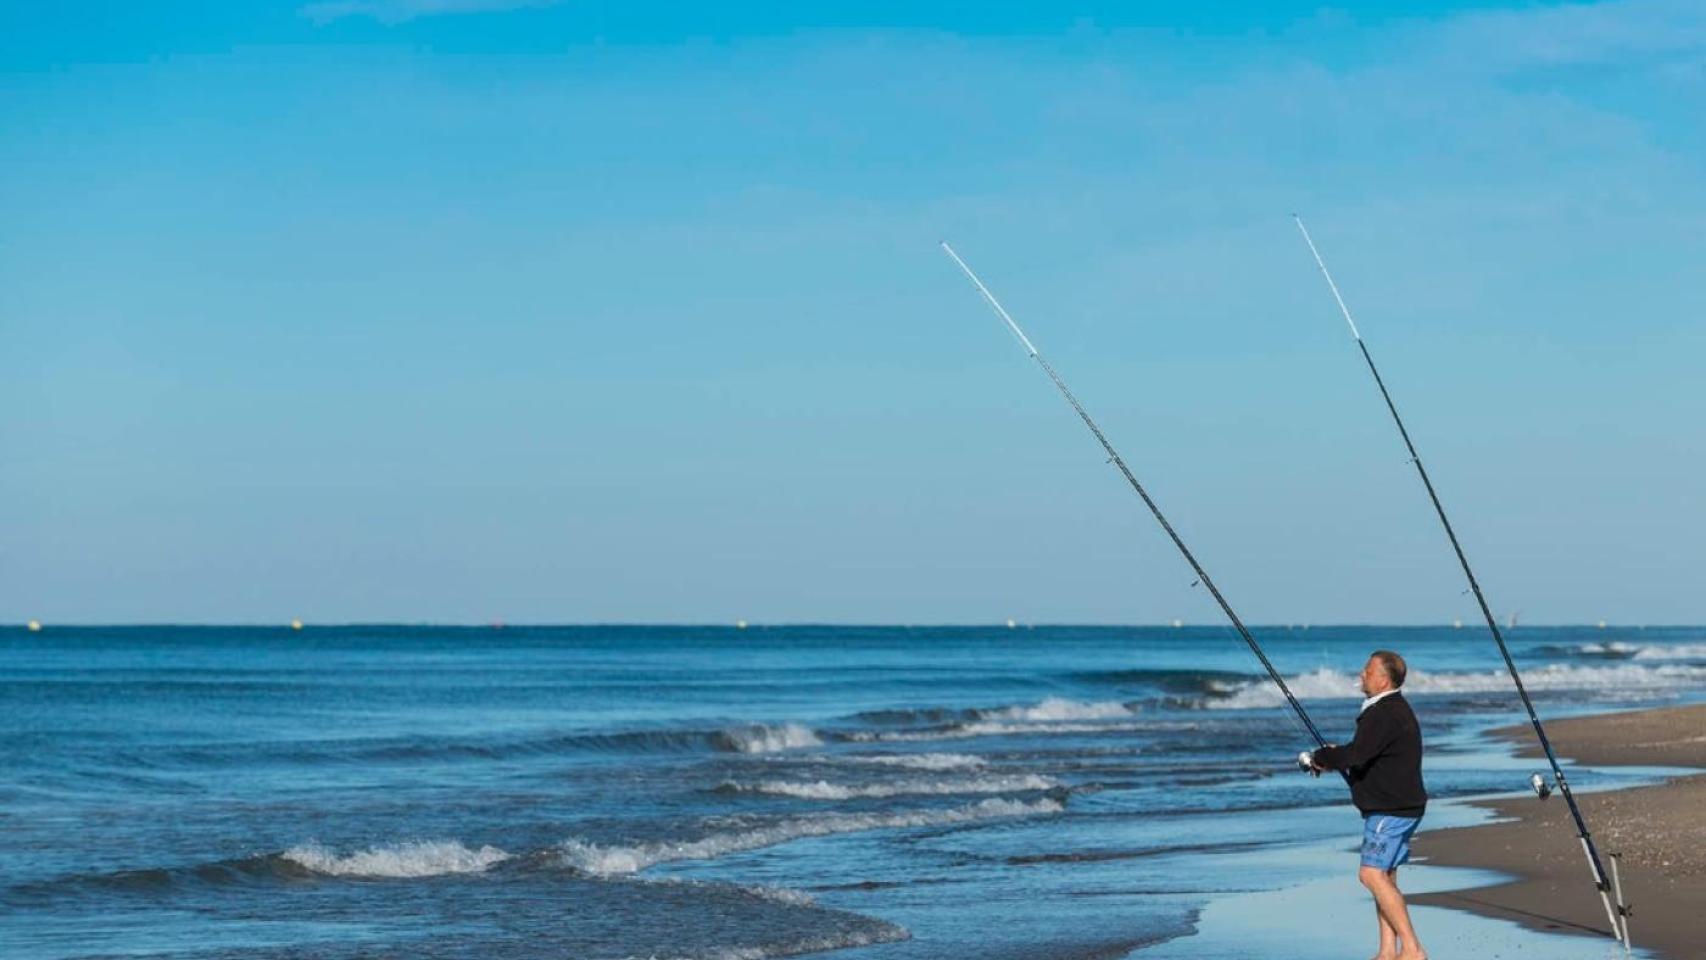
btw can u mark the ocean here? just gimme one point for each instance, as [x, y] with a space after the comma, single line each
[714, 793]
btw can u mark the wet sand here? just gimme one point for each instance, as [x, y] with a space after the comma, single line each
[1659, 830]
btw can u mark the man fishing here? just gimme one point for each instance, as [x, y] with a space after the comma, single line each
[1383, 764]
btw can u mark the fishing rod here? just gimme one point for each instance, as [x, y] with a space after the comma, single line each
[1131, 478]
[1619, 916]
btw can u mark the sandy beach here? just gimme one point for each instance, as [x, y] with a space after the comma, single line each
[1659, 831]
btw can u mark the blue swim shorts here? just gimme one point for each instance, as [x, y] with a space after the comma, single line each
[1386, 840]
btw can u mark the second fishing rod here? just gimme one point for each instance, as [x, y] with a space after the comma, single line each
[1608, 887]
[1131, 478]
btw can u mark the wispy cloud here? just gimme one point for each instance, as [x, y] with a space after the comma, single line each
[402, 11]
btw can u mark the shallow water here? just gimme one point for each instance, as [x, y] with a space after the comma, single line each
[597, 792]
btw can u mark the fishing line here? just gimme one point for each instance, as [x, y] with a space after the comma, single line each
[1131, 478]
[1619, 916]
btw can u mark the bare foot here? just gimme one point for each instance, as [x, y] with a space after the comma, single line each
[1408, 954]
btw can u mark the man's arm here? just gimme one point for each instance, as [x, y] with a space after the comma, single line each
[1374, 735]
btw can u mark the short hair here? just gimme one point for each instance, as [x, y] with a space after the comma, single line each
[1394, 666]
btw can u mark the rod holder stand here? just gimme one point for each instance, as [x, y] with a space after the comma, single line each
[1624, 911]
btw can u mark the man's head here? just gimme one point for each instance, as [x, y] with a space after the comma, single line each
[1384, 671]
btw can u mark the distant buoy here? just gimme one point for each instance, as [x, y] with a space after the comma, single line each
[1012, 623]
[1178, 623]
[35, 626]
[740, 624]
[296, 624]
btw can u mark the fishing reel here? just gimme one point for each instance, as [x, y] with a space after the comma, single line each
[1541, 787]
[1306, 763]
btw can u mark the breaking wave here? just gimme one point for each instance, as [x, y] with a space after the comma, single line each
[823, 790]
[921, 761]
[419, 858]
[761, 738]
[1051, 710]
[1051, 716]
[1325, 684]
[1056, 709]
[600, 860]
[1620, 650]
[740, 738]
[1680, 651]
[736, 738]
[962, 731]
[1167, 681]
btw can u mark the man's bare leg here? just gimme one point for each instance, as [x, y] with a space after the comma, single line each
[1396, 915]
[1388, 937]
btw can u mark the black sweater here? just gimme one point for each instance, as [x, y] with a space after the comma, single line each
[1383, 761]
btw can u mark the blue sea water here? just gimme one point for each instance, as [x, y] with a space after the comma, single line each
[711, 793]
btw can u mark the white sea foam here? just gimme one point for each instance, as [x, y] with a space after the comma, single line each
[1055, 709]
[1680, 651]
[762, 738]
[1053, 715]
[415, 858]
[795, 898]
[1612, 648]
[1623, 650]
[922, 761]
[611, 860]
[962, 731]
[1325, 684]
[823, 790]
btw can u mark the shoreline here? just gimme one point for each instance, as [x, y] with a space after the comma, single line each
[1658, 829]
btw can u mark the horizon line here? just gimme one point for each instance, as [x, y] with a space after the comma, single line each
[289, 624]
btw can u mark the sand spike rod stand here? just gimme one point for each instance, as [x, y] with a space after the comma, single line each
[1131, 478]
[1608, 888]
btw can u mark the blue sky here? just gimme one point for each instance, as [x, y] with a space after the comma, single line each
[463, 310]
